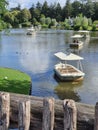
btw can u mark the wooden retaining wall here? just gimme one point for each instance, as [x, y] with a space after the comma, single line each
[35, 113]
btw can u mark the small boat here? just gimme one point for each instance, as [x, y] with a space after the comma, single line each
[68, 72]
[77, 43]
[31, 31]
[85, 33]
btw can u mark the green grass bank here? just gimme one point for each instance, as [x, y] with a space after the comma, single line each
[14, 81]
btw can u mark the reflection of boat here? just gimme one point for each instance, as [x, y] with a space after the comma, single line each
[67, 72]
[68, 92]
[31, 31]
[77, 43]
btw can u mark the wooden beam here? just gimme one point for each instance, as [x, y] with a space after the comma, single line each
[85, 113]
[48, 114]
[96, 117]
[24, 115]
[70, 115]
[4, 110]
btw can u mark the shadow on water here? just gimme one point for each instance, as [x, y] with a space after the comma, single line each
[66, 90]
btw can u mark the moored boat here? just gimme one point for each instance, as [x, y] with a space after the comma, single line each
[31, 31]
[85, 33]
[77, 43]
[68, 72]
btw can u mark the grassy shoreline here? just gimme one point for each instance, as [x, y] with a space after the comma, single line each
[14, 81]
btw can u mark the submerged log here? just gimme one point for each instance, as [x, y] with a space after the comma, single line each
[85, 113]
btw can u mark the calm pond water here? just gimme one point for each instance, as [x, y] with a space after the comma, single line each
[35, 56]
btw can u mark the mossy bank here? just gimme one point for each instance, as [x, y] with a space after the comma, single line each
[14, 81]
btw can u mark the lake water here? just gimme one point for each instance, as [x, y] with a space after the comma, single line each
[35, 56]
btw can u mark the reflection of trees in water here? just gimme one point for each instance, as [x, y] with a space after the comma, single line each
[67, 91]
[94, 33]
[68, 34]
[87, 40]
[93, 44]
[94, 41]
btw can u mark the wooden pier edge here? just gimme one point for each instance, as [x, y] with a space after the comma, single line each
[4, 110]
[85, 113]
[35, 110]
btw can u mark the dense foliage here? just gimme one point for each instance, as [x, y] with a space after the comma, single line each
[76, 14]
[3, 4]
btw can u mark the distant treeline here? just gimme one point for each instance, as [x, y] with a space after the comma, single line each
[73, 15]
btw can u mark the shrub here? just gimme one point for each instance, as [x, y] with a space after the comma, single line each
[77, 27]
[89, 28]
[26, 24]
[84, 27]
[84, 23]
[44, 26]
[93, 27]
[95, 22]
[3, 25]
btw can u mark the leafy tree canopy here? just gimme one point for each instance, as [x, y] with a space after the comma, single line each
[3, 4]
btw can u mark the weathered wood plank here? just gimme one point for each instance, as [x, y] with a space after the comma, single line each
[24, 115]
[96, 117]
[48, 114]
[85, 113]
[70, 115]
[4, 110]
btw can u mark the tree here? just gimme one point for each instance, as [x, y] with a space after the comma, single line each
[52, 11]
[42, 19]
[3, 4]
[58, 13]
[84, 23]
[53, 22]
[77, 23]
[45, 9]
[15, 14]
[32, 11]
[89, 9]
[83, 6]
[9, 17]
[76, 8]
[67, 10]
[89, 21]
[39, 6]
[35, 22]
[36, 11]
[48, 20]
[67, 24]
[16, 8]
[95, 16]
[24, 15]
[37, 14]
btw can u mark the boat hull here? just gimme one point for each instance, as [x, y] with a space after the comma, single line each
[65, 75]
[69, 78]
[30, 33]
[76, 45]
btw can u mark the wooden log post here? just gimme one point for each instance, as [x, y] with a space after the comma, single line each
[96, 117]
[70, 115]
[4, 110]
[24, 115]
[48, 114]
